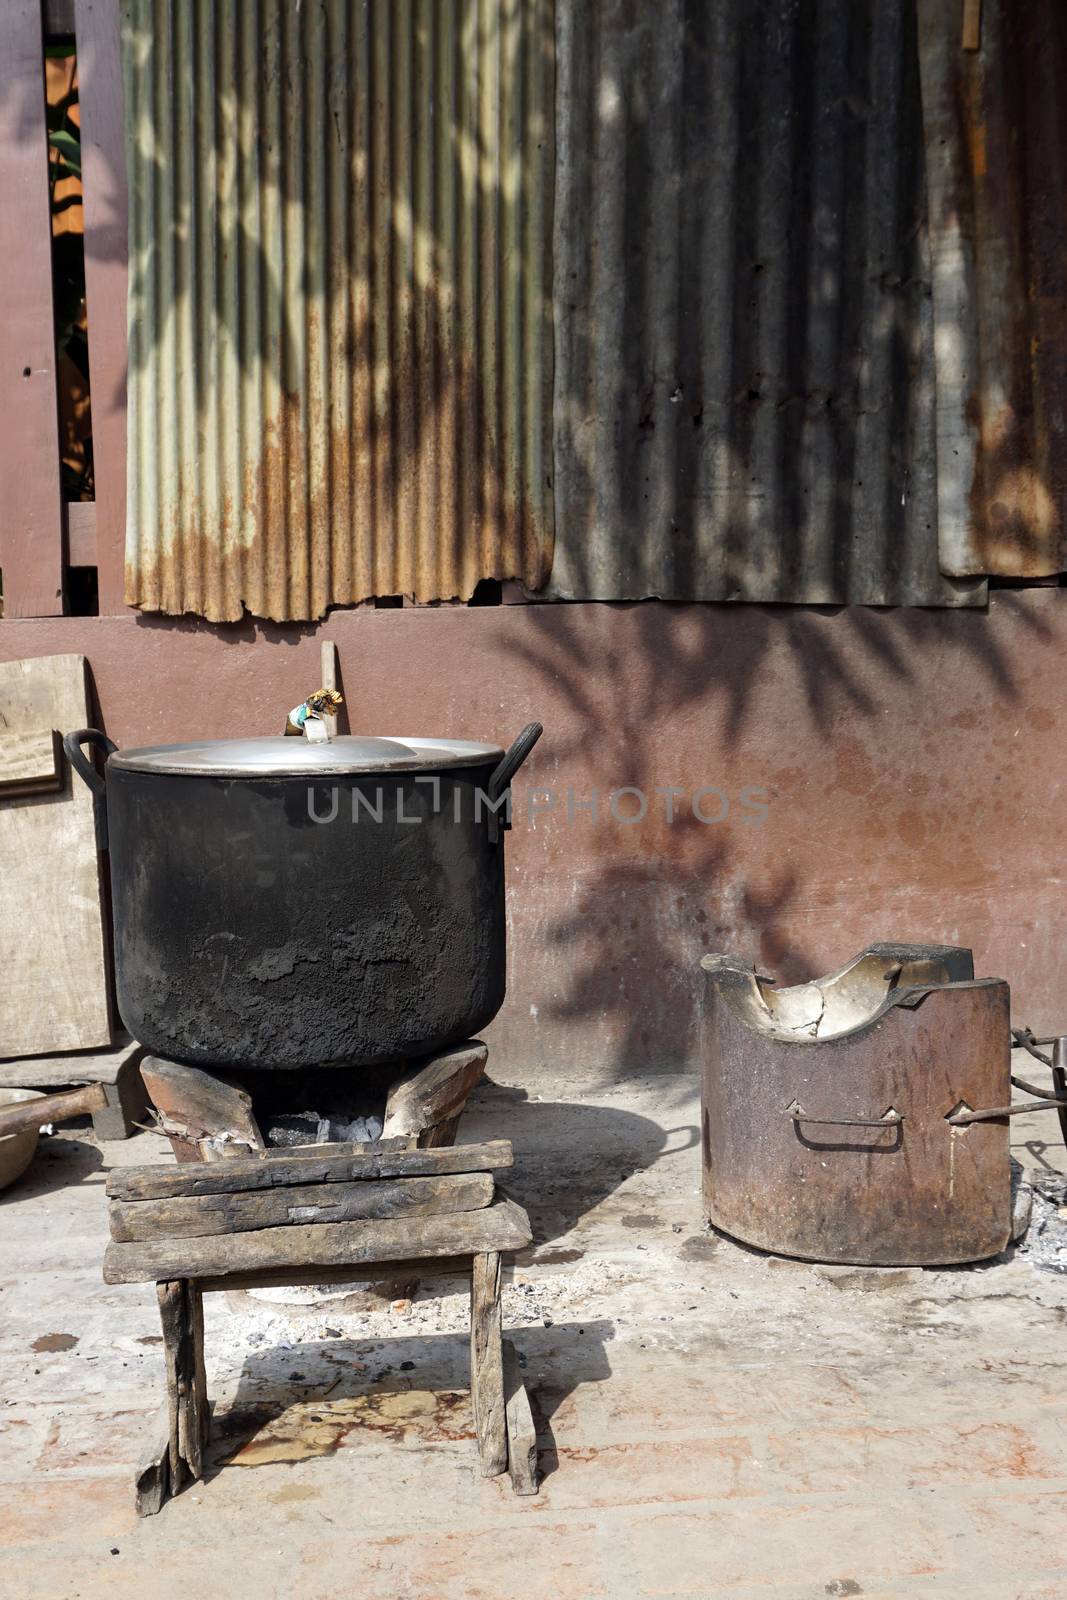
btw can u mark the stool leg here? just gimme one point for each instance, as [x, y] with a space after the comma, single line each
[181, 1314]
[151, 1478]
[171, 1297]
[194, 1413]
[522, 1435]
[487, 1365]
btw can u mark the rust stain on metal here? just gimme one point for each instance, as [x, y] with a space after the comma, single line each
[745, 404]
[826, 1107]
[340, 319]
[997, 168]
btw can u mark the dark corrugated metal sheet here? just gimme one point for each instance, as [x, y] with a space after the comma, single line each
[744, 384]
[340, 348]
[996, 127]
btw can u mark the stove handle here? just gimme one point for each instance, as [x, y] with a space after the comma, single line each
[798, 1114]
[72, 744]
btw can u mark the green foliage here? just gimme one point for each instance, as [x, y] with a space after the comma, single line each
[68, 249]
[69, 147]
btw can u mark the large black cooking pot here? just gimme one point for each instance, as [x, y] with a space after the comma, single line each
[284, 904]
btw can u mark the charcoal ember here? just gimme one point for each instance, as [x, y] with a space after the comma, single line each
[286, 1130]
[324, 1105]
[295, 1128]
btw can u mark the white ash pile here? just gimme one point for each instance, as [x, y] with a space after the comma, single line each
[1044, 1244]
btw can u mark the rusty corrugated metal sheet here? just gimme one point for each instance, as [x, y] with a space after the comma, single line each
[744, 381]
[340, 347]
[996, 137]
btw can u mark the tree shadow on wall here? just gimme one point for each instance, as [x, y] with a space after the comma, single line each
[658, 914]
[745, 408]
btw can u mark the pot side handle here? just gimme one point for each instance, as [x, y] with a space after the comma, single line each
[513, 760]
[83, 766]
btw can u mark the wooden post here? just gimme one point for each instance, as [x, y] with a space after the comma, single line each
[487, 1365]
[328, 667]
[31, 527]
[104, 208]
[440, 1135]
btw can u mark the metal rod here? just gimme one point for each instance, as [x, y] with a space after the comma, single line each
[1059, 1079]
[960, 1118]
[1032, 1088]
[1024, 1039]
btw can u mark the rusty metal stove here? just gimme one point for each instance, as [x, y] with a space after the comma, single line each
[861, 1118]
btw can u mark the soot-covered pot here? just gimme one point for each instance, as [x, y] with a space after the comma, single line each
[284, 904]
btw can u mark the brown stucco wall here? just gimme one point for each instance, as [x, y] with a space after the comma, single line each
[914, 763]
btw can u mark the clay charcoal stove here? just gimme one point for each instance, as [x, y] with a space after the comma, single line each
[322, 1106]
[210, 1115]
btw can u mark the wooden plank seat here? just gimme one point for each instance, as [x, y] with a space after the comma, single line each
[325, 1213]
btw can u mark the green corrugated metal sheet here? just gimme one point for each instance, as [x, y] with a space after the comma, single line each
[340, 327]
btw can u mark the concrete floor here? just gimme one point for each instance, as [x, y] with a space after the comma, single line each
[713, 1421]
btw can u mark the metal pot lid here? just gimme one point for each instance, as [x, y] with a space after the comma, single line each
[287, 757]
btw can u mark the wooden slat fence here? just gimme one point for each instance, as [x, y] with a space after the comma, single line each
[40, 536]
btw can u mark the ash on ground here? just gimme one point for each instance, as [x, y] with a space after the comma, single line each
[1045, 1242]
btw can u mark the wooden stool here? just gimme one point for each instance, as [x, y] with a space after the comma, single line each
[319, 1214]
